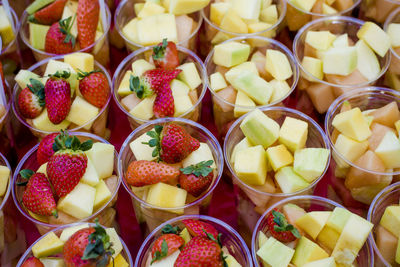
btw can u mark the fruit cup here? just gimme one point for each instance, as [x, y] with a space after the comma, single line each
[233, 245]
[145, 23]
[152, 200]
[82, 116]
[258, 151]
[93, 197]
[362, 158]
[377, 10]
[34, 34]
[384, 214]
[188, 88]
[50, 249]
[242, 58]
[328, 233]
[4, 124]
[392, 28]
[334, 56]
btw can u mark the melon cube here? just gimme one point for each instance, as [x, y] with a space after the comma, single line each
[152, 30]
[307, 251]
[43, 123]
[124, 88]
[289, 181]
[258, 89]
[189, 75]
[23, 78]
[378, 132]
[69, 231]
[217, 81]
[391, 220]
[79, 202]
[277, 64]
[144, 110]
[232, 22]
[90, 177]
[352, 124]
[389, 150]
[115, 240]
[349, 148]
[367, 62]
[281, 90]
[49, 245]
[4, 177]
[293, 133]
[130, 30]
[80, 61]
[38, 41]
[167, 196]
[327, 262]
[269, 14]
[242, 100]
[228, 96]
[375, 37]
[103, 195]
[150, 9]
[247, 9]
[203, 153]
[386, 243]
[275, 253]
[320, 40]
[313, 222]
[82, 112]
[102, 157]
[393, 30]
[279, 156]
[234, 72]
[341, 41]
[142, 151]
[387, 115]
[251, 165]
[328, 238]
[179, 7]
[259, 27]
[244, 143]
[321, 96]
[305, 5]
[218, 10]
[340, 60]
[231, 54]
[310, 163]
[182, 104]
[313, 66]
[140, 66]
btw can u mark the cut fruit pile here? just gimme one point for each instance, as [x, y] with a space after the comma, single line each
[171, 168]
[392, 77]
[312, 239]
[160, 86]
[249, 83]
[275, 158]
[368, 139]
[72, 247]
[197, 244]
[329, 7]
[69, 95]
[4, 181]
[6, 31]
[157, 20]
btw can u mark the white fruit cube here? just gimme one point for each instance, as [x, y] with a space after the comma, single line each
[234, 72]
[150, 9]
[305, 5]
[82, 112]
[102, 157]
[293, 133]
[4, 178]
[350, 149]
[79, 202]
[367, 62]
[320, 40]
[217, 82]
[115, 240]
[218, 10]
[52, 262]
[144, 110]
[124, 89]
[243, 104]
[142, 151]
[43, 123]
[251, 165]
[152, 30]
[310, 163]
[80, 61]
[231, 54]
[375, 37]
[281, 90]
[68, 232]
[313, 222]
[43, 168]
[189, 75]
[393, 31]
[339, 60]
[140, 66]
[352, 124]
[247, 9]
[103, 194]
[313, 66]
[179, 88]
[277, 64]
[289, 181]
[90, 177]
[182, 103]
[167, 196]
[50, 244]
[341, 41]
[279, 156]
[203, 153]
[389, 150]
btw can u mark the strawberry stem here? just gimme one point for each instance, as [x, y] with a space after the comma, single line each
[82, 74]
[139, 87]
[159, 50]
[200, 169]
[65, 28]
[37, 88]
[55, 213]
[155, 141]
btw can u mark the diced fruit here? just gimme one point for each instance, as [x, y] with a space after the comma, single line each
[386, 243]
[36, 5]
[249, 10]
[179, 7]
[68, 232]
[80, 61]
[123, 88]
[352, 124]
[305, 5]
[279, 157]
[234, 72]
[293, 133]
[189, 75]
[313, 66]
[242, 100]
[389, 150]
[6, 30]
[185, 235]
[289, 181]
[251, 165]
[43, 123]
[203, 153]
[341, 41]
[387, 115]
[167, 261]
[310, 163]
[349, 148]
[338, 219]
[82, 112]
[90, 177]
[4, 178]
[378, 132]
[217, 81]
[320, 40]
[144, 110]
[391, 220]
[52, 262]
[277, 64]
[340, 60]
[254, 86]
[42, 168]
[228, 95]
[167, 196]
[275, 253]
[269, 14]
[367, 62]
[262, 239]
[366, 194]
[244, 143]
[150, 9]
[50, 244]
[231, 54]
[393, 30]
[231, 261]
[114, 239]
[281, 89]
[179, 88]
[293, 212]
[328, 238]
[70, 10]
[321, 96]
[258, 27]
[328, 262]
[142, 151]
[218, 10]
[23, 78]
[103, 194]
[119, 261]
[307, 251]
[53, 66]
[140, 66]
[130, 30]
[152, 30]
[313, 222]
[79, 202]
[232, 22]
[37, 36]
[102, 157]
[375, 37]
[398, 252]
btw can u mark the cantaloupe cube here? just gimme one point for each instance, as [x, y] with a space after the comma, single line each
[217, 81]
[391, 220]
[185, 26]
[293, 133]
[140, 66]
[279, 156]
[115, 240]
[349, 148]
[307, 251]
[232, 22]
[281, 89]
[375, 37]
[289, 181]
[313, 222]
[82, 112]
[142, 151]
[277, 64]
[167, 196]
[123, 88]
[203, 153]
[387, 115]
[90, 177]
[228, 94]
[103, 194]
[49, 245]
[310, 163]
[386, 243]
[389, 150]
[43, 123]
[218, 10]
[242, 100]
[152, 30]
[80, 61]
[189, 75]
[378, 132]
[352, 124]
[320, 40]
[79, 202]
[4, 178]
[251, 165]
[69, 231]
[321, 96]
[102, 157]
[144, 110]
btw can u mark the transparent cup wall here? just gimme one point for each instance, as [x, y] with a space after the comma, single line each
[152, 216]
[230, 239]
[97, 125]
[106, 214]
[5, 126]
[378, 10]
[392, 76]
[309, 203]
[252, 201]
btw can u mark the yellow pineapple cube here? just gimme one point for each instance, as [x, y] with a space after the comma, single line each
[123, 89]
[189, 75]
[218, 10]
[80, 61]
[4, 177]
[142, 151]
[150, 9]
[180, 7]
[307, 251]
[277, 64]
[69, 11]
[6, 31]
[167, 196]
[144, 110]
[79, 202]
[391, 220]
[389, 150]
[68, 232]
[43, 168]
[49, 245]
[313, 222]
[279, 156]
[328, 237]
[130, 30]
[82, 112]
[251, 165]
[281, 89]
[232, 22]
[352, 124]
[90, 177]
[242, 100]
[293, 133]
[119, 261]
[185, 235]
[349, 148]
[258, 27]
[140, 66]
[115, 240]
[182, 103]
[244, 143]
[103, 194]
[203, 153]
[43, 123]
[102, 158]
[152, 30]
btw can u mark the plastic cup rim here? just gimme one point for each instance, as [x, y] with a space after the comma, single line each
[340, 13]
[7, 194]
[17, 26]
[388, 21]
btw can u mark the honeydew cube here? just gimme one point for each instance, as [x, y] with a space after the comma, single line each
[23, 78]
[275, 253]
[52, 262]
[203, 153]
[218, 10]
[340, 60]
[328, 10]
[80, 61]
[43, 123]
[327, 262]
[180, 7]
[6, 30]
[49, 245]
[289, 181]
[90, 177]
[150, 9]
[102, 157]
[115, 240]
[144, 110]
[4, 177]
[234, 72]
[391, 220]
[258, 89]
[43, 168]
[269, 14]
[182, 104]
[244, 143]
[305, 5]
[293, 133]
[142, 151]
[393, 31]
[79, 202]
[82, 112]
[277, 64]
[389, 150]
[310, 163]
[217, 81]
[69, 231]
[341, 41]
[232, 22]
[352, 124]
[152, 30]
[167, 196]
[242, 100]
[231, 54]
[281, 89]
[279, 156]
[320, 40]
[189, 75]
[307, 251]
[103, 195]
[367, 62]
[251, 165]
[130, 30]
[313, 222]
[313, 66]
[247, 9]
[37, 40]
[349, 148]
[140, 66]
[375, 37]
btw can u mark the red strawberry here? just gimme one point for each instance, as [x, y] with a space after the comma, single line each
[87, 17]
[67, 166]
[49, 14]
[45, 148]
[164, 105]
[197, 178]
[58, 96]
[88, 247]
[94, 87]
[31, 99]
[59, 39]
[279, 228]
[143, 172]
[199, 228]
[165, 55]
[32, 262]
[165, 245]
[38, 196]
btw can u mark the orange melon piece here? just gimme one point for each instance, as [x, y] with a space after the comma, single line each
[354, 78]
[229, 95]
[221, 69]
[387, 243]
[387, 115]
[317, 7]
[394, 67]
[378, 132]
[383, 9]
[303, 84]
[321, 96]
[342, 4]
[130, 101]
[296, 19]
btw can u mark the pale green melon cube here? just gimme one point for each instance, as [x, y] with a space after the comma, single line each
[234, 72]
[37, 35]
[231, 54]
[289, 181]
[258, 89]
[310, 163]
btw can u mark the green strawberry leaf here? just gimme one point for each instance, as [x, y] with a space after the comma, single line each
[295, 232]
[87, 145]
[159, 50]
[139, 87]
[25, 174]
[169, 229]
[37, 88]
[155, 141]
[164, 252]
[65, 28]
[201, 169]
[223, 259]
[282, 224]
[83, 74]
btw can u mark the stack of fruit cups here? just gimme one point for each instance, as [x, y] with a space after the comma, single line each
[337, 54]
[233, 245]
[384, 213]
[377, 10]
[188, 89]
[392, 28]
[177, 201]
[265, 181]
[333, 234]
[362, 128]
[273, 80]
[34, 35]
[93, 197]
[82, 115]
[240, 18]
[50, 248]
[144, 23]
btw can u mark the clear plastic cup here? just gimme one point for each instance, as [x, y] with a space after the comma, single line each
[309, 203]
[105, 214]
[223, 109]
[377, 10]
[185, 56]
[125, 13]
[230, 239]
[152, 216]
[388, 196]
[364, 98]
[100, 48]
[97, 125]
[12, 46]
[5, 138]
[392, 76]
[333, 89]
[252, 202]
[28, 253]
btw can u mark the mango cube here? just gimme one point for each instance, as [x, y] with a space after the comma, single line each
[50, 244]
[310, 163]
[231, 54]
[203, 153]
[349, 148]
[320, 40]
[4, 178]
[293, 133]
[307, 251]
[289, 181]
[391, 220]
[80, 61]
[102, 157]
[103, 194]
[277, 64]
[69, 231]
[43, 123]
[79, 202]
[144, 110]
[275, 253]
[140, 66]
[279, 156]
[189, 75]
[313, 222]
[82, 112]
[167, 196]
[375, 37]
[389, 150]
[251, 165]
[90, 177]
[352, 124]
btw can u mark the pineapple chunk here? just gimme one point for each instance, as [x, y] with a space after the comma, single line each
[182, 104]
[140, 66]
[167, 196]
[50, 244]
[305, 5]
[293, 133]
[350, 149]
[180, 7]
[232, 22]
[389, 150]
[90, 177]
[244, 143]
[80, 61]
[4, 177]
[69, 11]
[391, 220]
[23, 78]
[82, 112]
[320, 40]
[142, 151]
[269, 14]
[242, 100]
[102, 157]
[103, 194]
[6, 30]
[248, 10]
[314, 67]
[281, 89]
[54, 65]
[203, 153]
[217, 81]
[124, 89]
[189, 75]
[277, 64]
[43, 168]
[79, 202]
[68, 232]
[144, 110]
[43, 123]
[307, 251]
[310, 163]
[185, 235]
[115, 240]
[327, 262]
[152, 30]
[251, 165]
[130, 30]
[218, 10]
[279, 156]
[352, 124]
[313, 222]
[167, 261]
[179, 88]
[150, 9]
[275, 253]
[375, 37]
[119, 261]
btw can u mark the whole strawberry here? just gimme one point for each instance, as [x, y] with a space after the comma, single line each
[165, 245]
[38, 196]
[49, 14]
[59, 39]
[143, 172]
[31, 99]
[87, 17]
[58, 96]
[280, 229]
[199, 228]
[68, 164]
[164, 105]
[197, 178]
[32, 262]
[165, 55]
[94, 87]
[88, 247]
[45, 148]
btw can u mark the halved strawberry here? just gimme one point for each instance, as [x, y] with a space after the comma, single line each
[165, 55]
[165, 245]
[31, 99]
[49, 14]
[199, 228]
[197, 178]
[164, 105]
[279, 227]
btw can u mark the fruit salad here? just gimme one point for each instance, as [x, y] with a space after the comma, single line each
[81, 244]
[363, 127]
[75, 181]
[378, 10]
[293, 234]
[145, 23]
[72, 93]
[339, 54]
[157, 82]
[245, 73]
[392, 28]
[6, 30]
